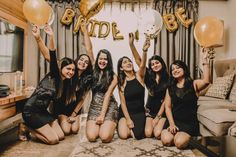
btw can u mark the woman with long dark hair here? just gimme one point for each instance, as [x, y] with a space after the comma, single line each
[156, 81]
[181, 103]
[69, 114]
[51, 88]
[132, 92]
[103, 110]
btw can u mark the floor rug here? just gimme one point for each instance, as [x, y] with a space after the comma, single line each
[148, 147]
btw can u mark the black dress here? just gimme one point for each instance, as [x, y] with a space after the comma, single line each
[35, 113]
[154, 102]
[184, 109]
[134, 94]
[61, 108]
[156, 95]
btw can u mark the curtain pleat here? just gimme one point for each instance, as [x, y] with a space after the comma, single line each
[179, 45]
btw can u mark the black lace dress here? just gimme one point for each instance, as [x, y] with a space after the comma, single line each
[35, 113]
[134, 94]
[184, 109]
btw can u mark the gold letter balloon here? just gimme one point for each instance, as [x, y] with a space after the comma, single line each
[67, 17]
[88, 8]
[37, 12]
[182, 17]
[170, 23]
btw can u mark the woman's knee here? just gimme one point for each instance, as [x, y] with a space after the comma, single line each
[105, 137]
[52, 140]
[157, 134]
[123, 134]
[74, 130]
[182, 141]
[167, 138]
[148, 131]
[66, 130]
[91, 136]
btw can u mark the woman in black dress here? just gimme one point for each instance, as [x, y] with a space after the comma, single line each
[181, 103]
[103, 110]
[69, 114]
[51, 88]
[156, 81]
[132, 91]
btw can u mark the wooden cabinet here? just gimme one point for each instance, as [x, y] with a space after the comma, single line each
[8, 105]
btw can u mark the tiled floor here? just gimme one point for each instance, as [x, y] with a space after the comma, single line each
[37, 149]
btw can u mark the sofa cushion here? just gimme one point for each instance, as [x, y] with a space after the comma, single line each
[217, 120]
[221, 87]
[206, 103]
[232, 95]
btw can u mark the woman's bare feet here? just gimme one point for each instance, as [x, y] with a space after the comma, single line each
[23, 132]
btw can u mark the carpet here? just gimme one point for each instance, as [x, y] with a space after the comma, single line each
[148, 147]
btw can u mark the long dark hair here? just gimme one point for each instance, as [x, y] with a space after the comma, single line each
[67, 87]
[103, 82]
[121, 73]
[150, 77]
[188, 80]
[84, 82]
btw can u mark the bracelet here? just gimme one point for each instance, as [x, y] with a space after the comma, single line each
[159, 116]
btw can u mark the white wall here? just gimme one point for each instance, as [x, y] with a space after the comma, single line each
[226, 11]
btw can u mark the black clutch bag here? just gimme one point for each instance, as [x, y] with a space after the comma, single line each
[4, 90]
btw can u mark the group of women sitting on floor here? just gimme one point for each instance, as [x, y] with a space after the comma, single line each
[170, 113]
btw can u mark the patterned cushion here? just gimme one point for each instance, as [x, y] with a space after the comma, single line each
[221, 87]
[232, 95]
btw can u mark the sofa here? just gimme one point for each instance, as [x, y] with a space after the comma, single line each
[215, 115]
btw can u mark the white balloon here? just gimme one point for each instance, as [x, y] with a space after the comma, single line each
[150, 23]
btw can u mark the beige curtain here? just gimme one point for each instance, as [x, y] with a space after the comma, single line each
[179, 45]
[68, 44]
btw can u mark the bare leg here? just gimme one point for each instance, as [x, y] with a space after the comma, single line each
[56, 127]
[47, 134]
[92, 130]
[181, 140]
[167, 138]
[148, 127]
[123, 131]
[107, 130]
[65, 125]
[158, 128]
[75, 126]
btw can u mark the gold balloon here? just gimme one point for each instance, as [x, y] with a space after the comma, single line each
[101, 34]
[115, 32]
[92, 24]
[78, 23]
[209, 32]
[182, 17]
[67, 17]
[170, 22]
[37, 11]
[88, 8]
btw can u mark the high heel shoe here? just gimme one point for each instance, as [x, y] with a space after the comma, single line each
[23, 132]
